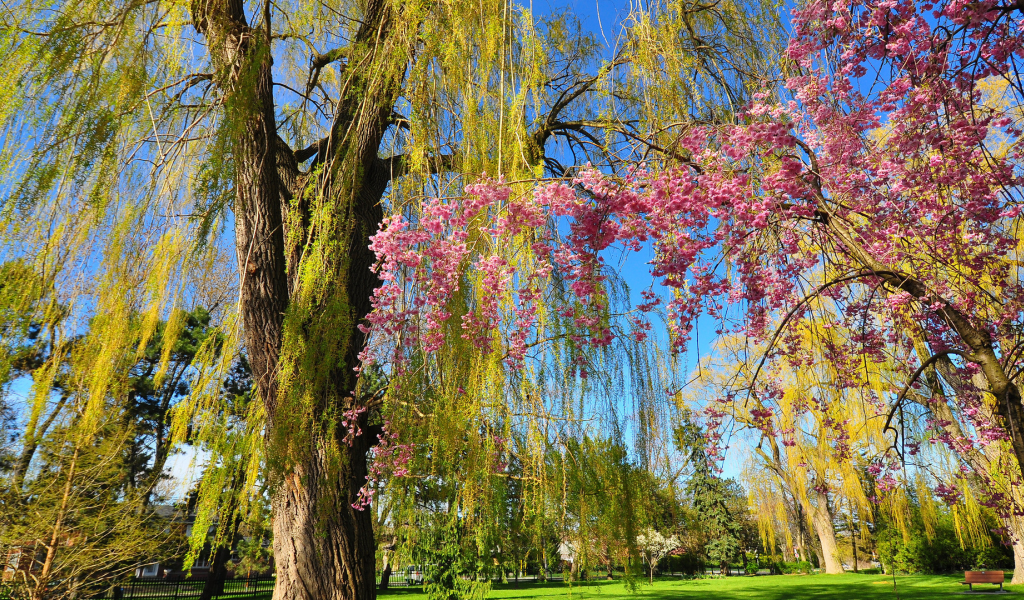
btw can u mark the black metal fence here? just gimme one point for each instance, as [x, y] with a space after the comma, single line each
[404, 578]
[173, 590]
[159, 589]
[401, 578]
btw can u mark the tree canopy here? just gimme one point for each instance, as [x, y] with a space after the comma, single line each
[405, 212]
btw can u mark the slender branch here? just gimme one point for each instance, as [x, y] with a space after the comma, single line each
[913, 379]
[567, 96]
[398, 165]
[792, 312]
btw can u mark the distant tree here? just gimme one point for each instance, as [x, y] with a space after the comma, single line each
[254, 558]
[710, 495]
[159, 378]
[76, 526]
[605, 495]
[30, 351]
[226, 495]
[447, 560]
[654, 546]
[737, 503]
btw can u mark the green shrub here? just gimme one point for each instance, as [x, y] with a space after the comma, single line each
[447, 561]
[801, 566]
[689, 563]
[940, 554]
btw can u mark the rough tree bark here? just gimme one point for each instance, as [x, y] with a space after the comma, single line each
[324, 548]
[1016, 527]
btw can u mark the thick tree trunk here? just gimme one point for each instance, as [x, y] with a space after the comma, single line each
[323, 547]
[982, 462]
[214, 585]
[1017, 544]
[387, 548]
[821, 518]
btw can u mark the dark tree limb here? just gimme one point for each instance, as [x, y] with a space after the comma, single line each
[318, 62]
[398, 165]
[31, 443]
[898, 404]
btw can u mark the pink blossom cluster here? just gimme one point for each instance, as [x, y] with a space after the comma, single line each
[424, 265]
[351, 421]
[948, 494]
[762, 419]
[390, 459]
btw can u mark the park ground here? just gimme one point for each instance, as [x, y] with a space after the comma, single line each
[777, 587]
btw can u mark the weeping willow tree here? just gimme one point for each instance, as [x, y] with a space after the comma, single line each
[814, 429]
[808, 465]
[145, 141]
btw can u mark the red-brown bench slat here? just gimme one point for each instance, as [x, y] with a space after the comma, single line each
[972, 577]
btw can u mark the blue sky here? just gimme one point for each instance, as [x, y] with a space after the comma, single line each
[603, 18]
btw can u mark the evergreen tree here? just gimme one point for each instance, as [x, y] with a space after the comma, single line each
[161, 377]
[709, 494]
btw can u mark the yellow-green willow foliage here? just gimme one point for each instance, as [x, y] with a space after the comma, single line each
[813, 437]
[147, 140]
[115, 181]
[814, 463]
[995, 473]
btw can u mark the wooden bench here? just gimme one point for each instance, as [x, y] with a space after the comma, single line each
[973, 577]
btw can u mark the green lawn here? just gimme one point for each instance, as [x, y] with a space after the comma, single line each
[774, 587]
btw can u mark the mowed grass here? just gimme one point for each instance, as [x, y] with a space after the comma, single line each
[772, 587]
